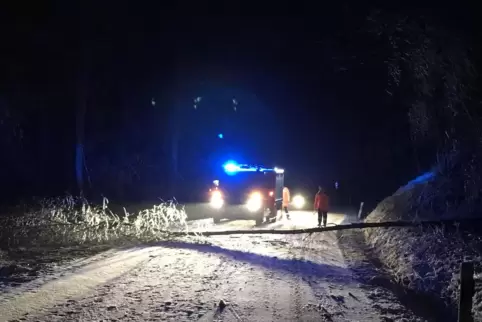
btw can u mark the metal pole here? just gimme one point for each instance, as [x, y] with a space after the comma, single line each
[360, 211]
[466, 292]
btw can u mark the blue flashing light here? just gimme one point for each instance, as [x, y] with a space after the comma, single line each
[231, 167]
[220, 135]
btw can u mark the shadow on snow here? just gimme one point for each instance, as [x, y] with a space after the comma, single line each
[331, 273]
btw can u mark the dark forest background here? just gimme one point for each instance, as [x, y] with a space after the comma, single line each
[128, 102]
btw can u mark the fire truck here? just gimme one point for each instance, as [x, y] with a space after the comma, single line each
[254, 191]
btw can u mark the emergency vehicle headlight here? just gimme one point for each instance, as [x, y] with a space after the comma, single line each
[298, 201]
[256, 196]
[217, 200]
[255, 202]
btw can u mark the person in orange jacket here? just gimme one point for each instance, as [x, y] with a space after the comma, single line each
[286, 201]
[321, 205]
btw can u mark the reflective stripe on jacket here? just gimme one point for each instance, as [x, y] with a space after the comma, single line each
[286, 197]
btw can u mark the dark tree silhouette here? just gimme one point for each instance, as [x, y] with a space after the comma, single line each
[431, 68]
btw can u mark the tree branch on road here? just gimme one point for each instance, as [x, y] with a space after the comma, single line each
[388, 224]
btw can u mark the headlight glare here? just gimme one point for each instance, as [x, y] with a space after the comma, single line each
[255, 202]
[217, 200]
[298, 201]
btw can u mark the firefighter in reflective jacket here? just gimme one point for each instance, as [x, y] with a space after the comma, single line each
[321, 206]
[286, 201]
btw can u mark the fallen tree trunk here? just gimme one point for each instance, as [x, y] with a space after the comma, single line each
[387, 224]
[462, 223]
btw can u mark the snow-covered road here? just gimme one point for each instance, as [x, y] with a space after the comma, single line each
[258, 277]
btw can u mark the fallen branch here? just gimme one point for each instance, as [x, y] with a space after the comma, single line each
[386, 224]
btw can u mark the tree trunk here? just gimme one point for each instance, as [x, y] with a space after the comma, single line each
[174, 162]
[79, 146]
[81, 110]
[448, 224]
[175, 127]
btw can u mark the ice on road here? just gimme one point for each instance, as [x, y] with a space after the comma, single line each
[257, 277]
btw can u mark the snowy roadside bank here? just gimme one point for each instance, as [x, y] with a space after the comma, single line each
[425, 260]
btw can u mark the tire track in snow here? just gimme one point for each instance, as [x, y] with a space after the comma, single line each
[267, 295]
[173, 285]
[225, 274]
[296, 292]
[15, 306]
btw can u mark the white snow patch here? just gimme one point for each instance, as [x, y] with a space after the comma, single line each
[17, 303]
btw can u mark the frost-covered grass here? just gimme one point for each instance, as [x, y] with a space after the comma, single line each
[426, 260]
[71, 221]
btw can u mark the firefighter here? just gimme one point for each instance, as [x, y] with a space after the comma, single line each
[286, 201]
[321, 206]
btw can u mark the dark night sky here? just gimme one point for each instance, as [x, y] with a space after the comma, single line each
[334, 124]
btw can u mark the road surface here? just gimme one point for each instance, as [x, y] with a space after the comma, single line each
[225, 278]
